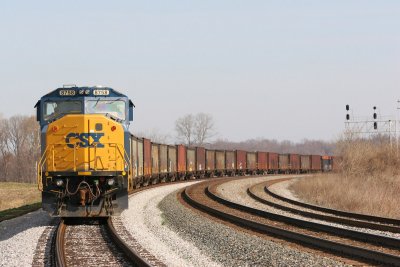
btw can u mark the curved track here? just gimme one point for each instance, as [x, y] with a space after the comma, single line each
[365, 247]
[71, 251]
[276, 201]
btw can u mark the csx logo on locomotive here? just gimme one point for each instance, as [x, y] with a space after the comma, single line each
[86, 140]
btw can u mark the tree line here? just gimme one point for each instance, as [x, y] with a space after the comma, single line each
[19, 149]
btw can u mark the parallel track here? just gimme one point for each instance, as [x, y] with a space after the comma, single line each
[132, 258]
[385, 225]
[357, 216]
[236, 213]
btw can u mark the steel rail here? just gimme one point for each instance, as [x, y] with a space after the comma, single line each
[131, 254]
[327, 245]
[60, 259]
[358, 216]
[341, 220]
[364, 237]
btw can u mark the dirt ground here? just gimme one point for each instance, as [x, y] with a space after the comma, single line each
[13, 195]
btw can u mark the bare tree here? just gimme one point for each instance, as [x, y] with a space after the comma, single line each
[194, 129]
[185, 127]
[204, 128]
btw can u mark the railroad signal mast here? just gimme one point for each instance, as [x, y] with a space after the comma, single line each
[368, 128]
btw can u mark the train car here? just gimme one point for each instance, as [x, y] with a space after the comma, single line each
[273, 162]
[163, 158]
[200, 162]
[134, 163]
[147, 162]
[190, 162]
[172, 163]
[251, 163]
[85, 168]
[155, 163]
[316, 164]
[326, 162]
[140, 177]
[262, 164]
[284, 166]
[210, 163]
[220, 162]
[305, 163]
[294, 163]
[181, 159]
[241, 162]
[230, 163]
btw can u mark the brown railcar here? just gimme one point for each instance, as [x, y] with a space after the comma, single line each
[284, 163]
[273, 162]
[190, 162]
[172, 163]
[146, 161]
[262, 164]
[134, 163]
[210, 163]
[155, 162]
[181, 159]
[251, 163]
[230, 162]
[241, 162]
[305, 163]
[294, 163]
[220, 162]
[200, 161]
[316, 163]
[163, 154]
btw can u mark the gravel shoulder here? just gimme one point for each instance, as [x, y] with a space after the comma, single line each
[19, 238]
[181, 237]
[147, 224]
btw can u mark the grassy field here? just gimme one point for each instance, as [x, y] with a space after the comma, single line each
[13, 195]
[367, 195]
[369, 180]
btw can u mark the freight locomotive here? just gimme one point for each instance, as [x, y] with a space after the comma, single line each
[90, 161]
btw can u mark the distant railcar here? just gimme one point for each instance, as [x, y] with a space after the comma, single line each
[251, 163]
[273, 162]
[210, 163]
[262, 164]
[241, 162]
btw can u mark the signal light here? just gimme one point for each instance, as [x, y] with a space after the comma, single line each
[113, 128]
[54, 129]
[375, 116]
[375, 125]
[347, 117]
[347, 107]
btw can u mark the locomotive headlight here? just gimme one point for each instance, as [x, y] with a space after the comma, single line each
[111, 182]
[59, 182]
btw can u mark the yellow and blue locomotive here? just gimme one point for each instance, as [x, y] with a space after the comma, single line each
[84, 169]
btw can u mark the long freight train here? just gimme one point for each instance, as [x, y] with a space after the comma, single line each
[90, 161]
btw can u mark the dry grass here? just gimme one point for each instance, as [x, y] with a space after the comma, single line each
[369, 181]
[13, 195]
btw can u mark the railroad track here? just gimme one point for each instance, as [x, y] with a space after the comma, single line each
[365, 247]
[95, 243]
[338, 213]
[354, 220]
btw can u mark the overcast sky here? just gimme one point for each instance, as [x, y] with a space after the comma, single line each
[274, 69]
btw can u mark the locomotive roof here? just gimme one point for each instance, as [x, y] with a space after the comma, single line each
[86, 91]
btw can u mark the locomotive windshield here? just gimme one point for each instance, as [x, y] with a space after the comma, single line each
[53, 109]
[116, 108]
